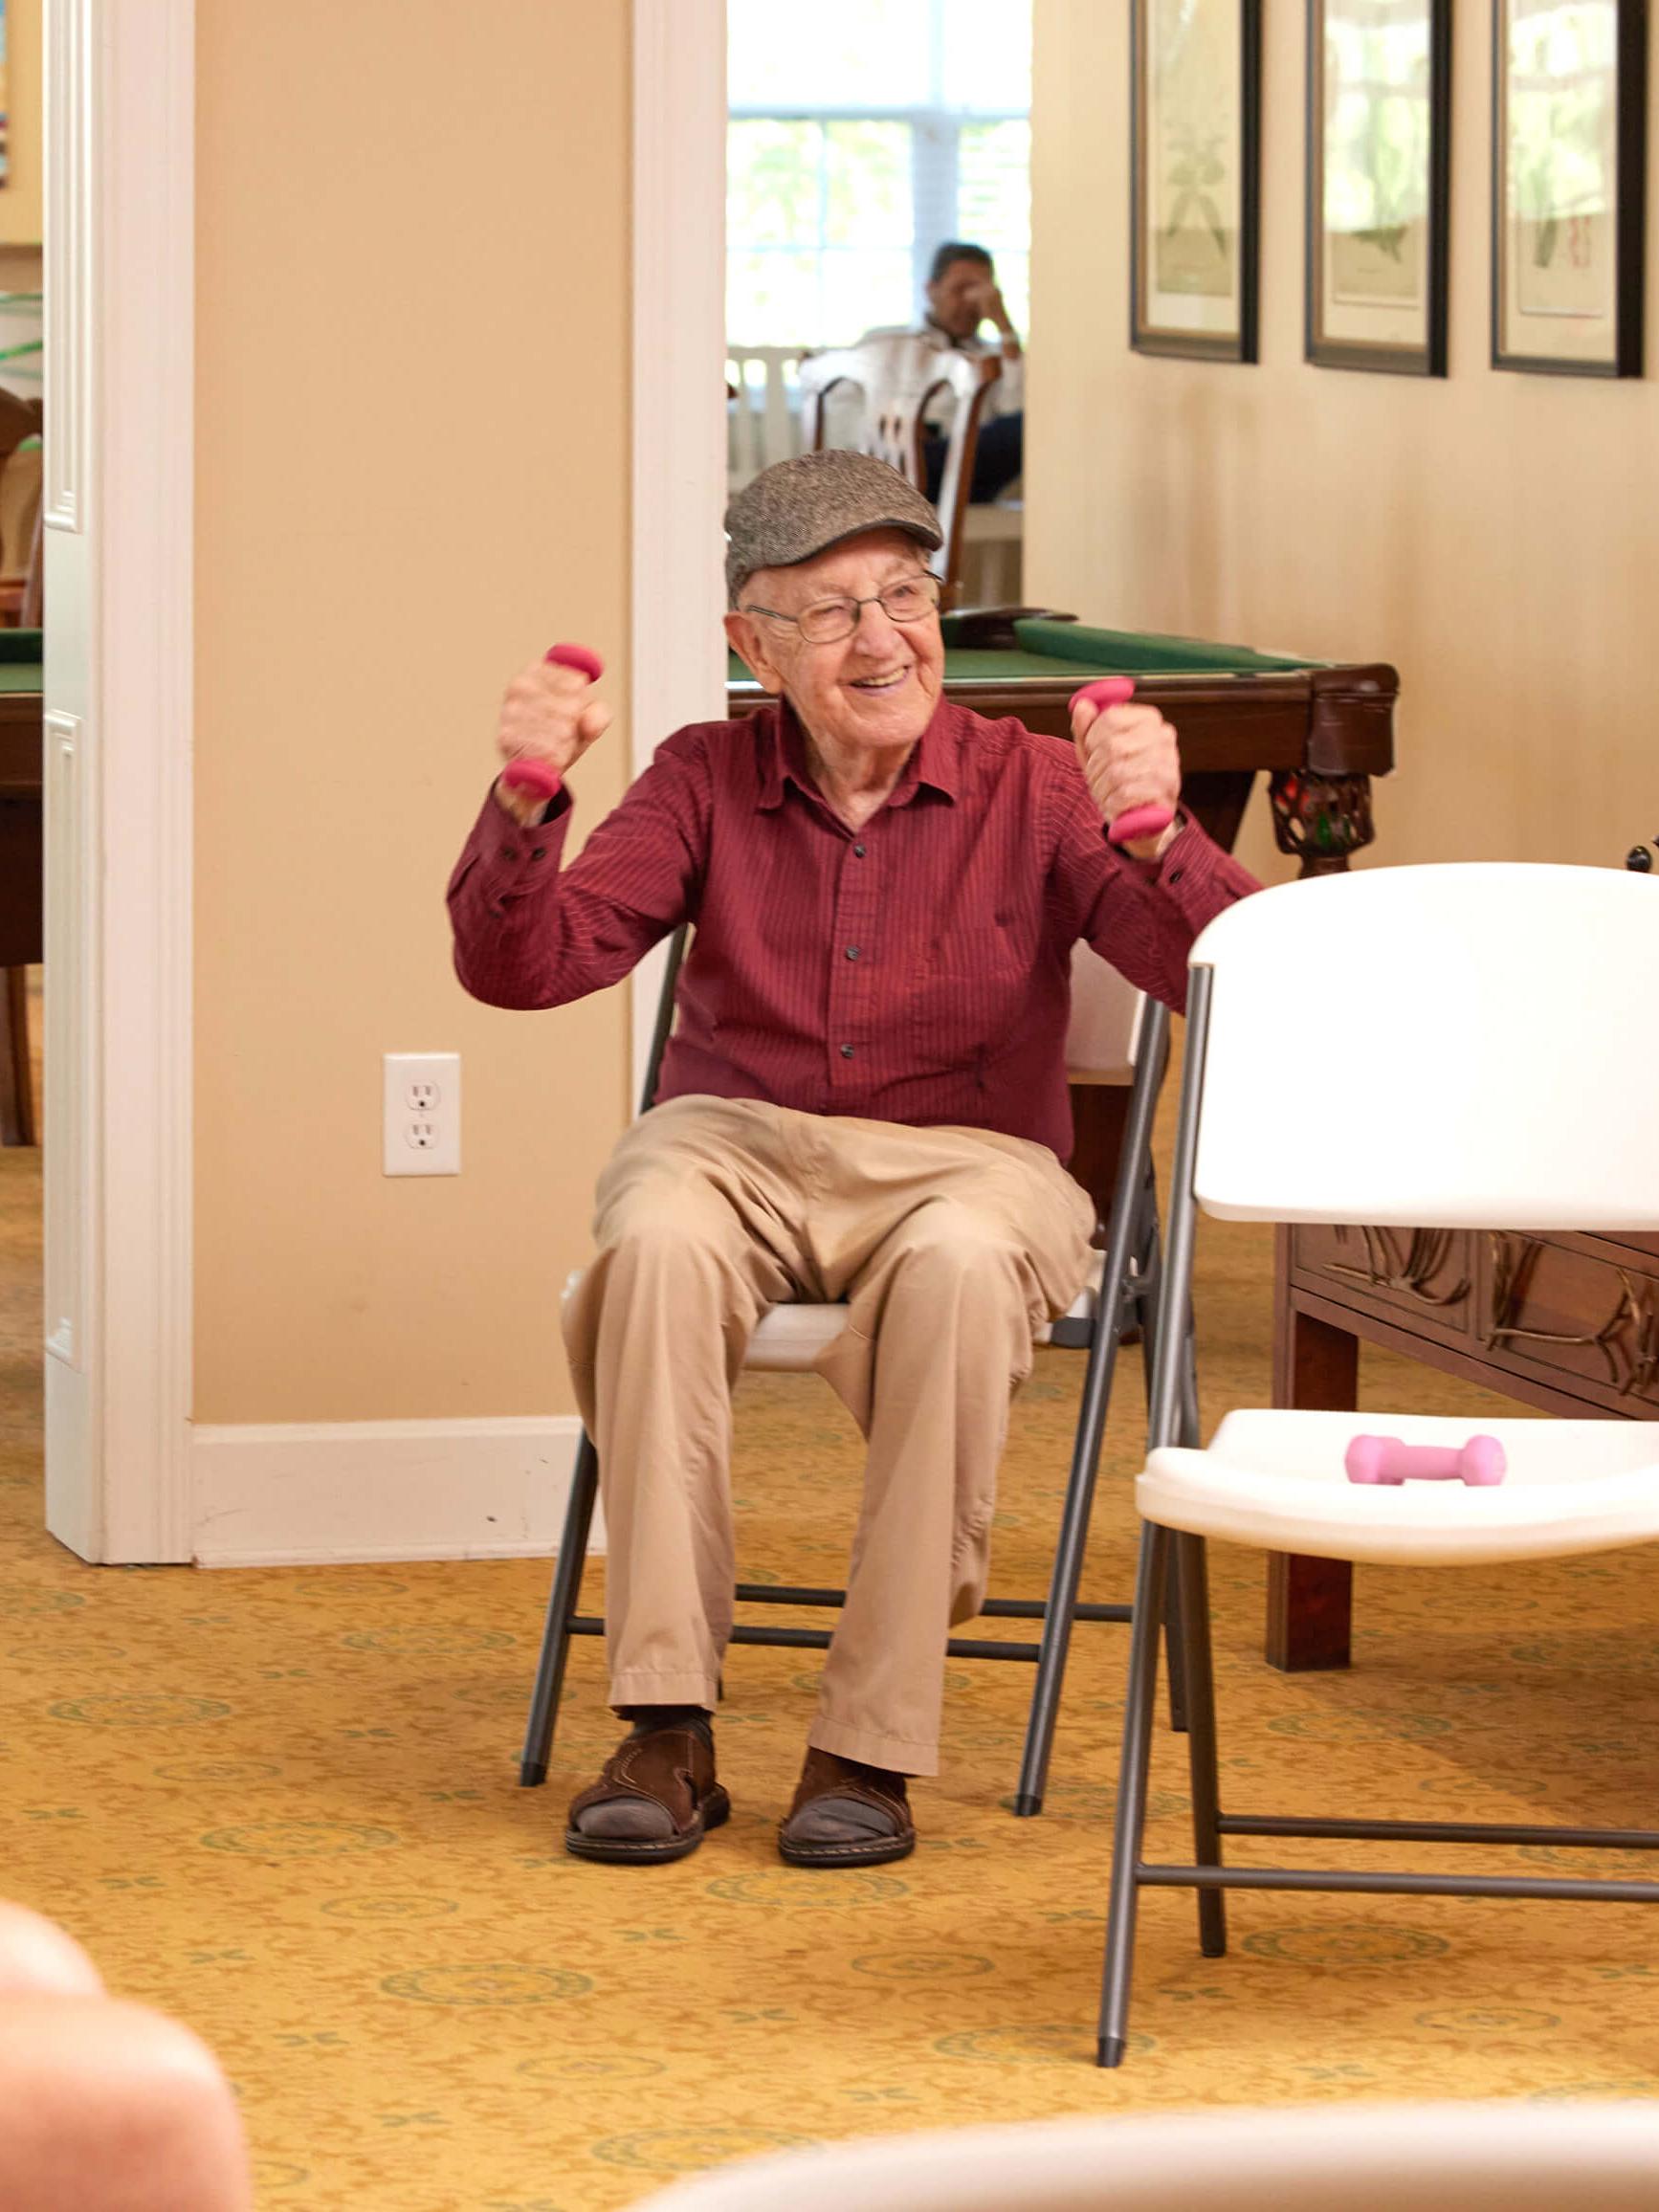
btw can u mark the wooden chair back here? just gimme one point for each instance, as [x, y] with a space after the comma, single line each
[902, 379]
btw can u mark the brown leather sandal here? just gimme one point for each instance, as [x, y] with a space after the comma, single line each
[845, 1814]
[655, 1800]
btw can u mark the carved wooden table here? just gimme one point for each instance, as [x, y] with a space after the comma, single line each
[1566, 1323]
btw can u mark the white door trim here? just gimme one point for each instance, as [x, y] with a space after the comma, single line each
[121, 284]
[677, 670]
[119, 524]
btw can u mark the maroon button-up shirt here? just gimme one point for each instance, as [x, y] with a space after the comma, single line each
[914, 971]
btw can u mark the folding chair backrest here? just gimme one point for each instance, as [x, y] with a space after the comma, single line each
[1104, 1031]
[1464, 1046]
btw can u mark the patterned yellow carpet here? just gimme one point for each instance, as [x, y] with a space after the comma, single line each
[283, 1806]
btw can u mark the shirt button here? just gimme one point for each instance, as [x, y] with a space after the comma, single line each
[539, 854]
[509, 853]
[1175, 874]
[858, 852]
[852, 952]
[847, 1051]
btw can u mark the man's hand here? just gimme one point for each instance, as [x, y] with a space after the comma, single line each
[987, 298]
[1129, 759]
[544, 717]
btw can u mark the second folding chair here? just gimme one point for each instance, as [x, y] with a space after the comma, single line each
[1486, 1056]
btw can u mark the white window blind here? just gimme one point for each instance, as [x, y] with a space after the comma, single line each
[861, 135]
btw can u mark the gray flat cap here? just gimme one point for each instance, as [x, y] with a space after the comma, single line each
[797, 508]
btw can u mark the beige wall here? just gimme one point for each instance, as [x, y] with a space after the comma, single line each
[20, 196]
[1495, 536]
[412, 332]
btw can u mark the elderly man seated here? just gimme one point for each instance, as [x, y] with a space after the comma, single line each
[864, 1099]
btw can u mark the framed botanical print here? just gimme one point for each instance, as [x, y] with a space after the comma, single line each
[1569, 161]
[1378, 173]
[1195, 133]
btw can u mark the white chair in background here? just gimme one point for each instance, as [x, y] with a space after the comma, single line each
[1483, 1053]
[1442, 2157]
[763, 409]
[891, 388]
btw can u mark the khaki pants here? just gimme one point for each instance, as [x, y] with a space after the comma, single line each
[950, 1247]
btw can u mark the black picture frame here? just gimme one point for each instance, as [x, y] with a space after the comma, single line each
[1171, 319]
[1586, 342]
[1388, 320]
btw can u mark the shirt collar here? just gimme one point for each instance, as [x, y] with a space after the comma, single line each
[973, 342]
[935, 760]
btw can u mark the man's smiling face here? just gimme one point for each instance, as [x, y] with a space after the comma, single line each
[874, 689]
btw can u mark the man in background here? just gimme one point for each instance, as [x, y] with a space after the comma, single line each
[962, 296]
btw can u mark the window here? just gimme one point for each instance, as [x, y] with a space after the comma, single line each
[860, 137]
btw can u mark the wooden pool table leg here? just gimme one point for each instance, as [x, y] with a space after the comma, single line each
[1320, 819]
[1099, 1116]
[1309, 1601]
[16, 1086]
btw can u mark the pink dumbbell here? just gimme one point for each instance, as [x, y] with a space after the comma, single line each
[1112, 691]
[1389, 1459]
[535, 779]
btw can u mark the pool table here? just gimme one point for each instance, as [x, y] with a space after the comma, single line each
[1318, 731]
[20, 840]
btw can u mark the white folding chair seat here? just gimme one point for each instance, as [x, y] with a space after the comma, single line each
[790, 1338]
[1486, 1056]
[1277, 1479]
[1112, 1037]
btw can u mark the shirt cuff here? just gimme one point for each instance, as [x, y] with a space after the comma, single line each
[512, 859]
[1196, 875]
[1150, 871]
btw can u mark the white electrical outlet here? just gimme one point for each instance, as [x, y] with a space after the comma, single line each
[422, 1113]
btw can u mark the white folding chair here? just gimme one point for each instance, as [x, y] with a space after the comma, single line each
[1442, 2157]
[1485, 1054]
[1115, 1036]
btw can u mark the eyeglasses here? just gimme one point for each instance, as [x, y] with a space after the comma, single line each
[826, 621]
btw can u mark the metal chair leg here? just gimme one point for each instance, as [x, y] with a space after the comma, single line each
[1129, 1823]
[1174, 1651]
[561, 1605]
[1191, 1427]
[1068, 1568]
[1131, 1243]
[1200, 1743]
[1174, 1655]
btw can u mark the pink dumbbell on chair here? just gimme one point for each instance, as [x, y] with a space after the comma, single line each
[1114, 691]
[535, 779]
[1388, 1459]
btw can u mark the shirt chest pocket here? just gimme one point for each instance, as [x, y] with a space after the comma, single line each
[967, 991]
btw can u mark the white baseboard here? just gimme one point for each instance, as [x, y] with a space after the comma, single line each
[315, 1493]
